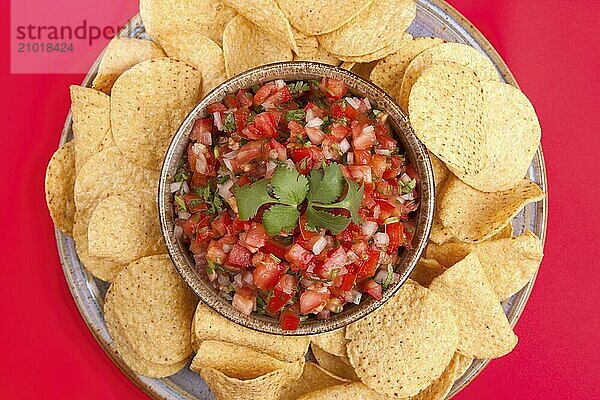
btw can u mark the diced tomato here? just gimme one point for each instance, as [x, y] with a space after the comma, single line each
[411, 172]
[339, 131]
[216, 249]
[363, 137]
[348, 280]
[279, 148]
[362, 157]
[231, 101]
[250, 151]
[194, 203]
[336, 110]
[239, 257]
[369, 265]
[274, 247]
[315, 135]
[198, 180]
[244, 98]
[264, 92]
[298, 256]
[396, 167]
[198, 248]
[278, 301]
[296, 130]
[316, 111]
[333, 88]
[360, 173]
[373, 289]
[304, 232]
[350, 112]
[267, 274]
[201, 160]
[384, 138]
[264, 125]
[378, 165]
[244, 300]
[345, 237]
[203, 235]
[241, 117]
[243, 180]
[257, 236]
[202, 131]
[288, 284]
[311, 156]
[395, 232]
[387, 208]
[281, 96]
[216, 107]
[219, 225]
[335, 260]
[289, 320]
[311, 299]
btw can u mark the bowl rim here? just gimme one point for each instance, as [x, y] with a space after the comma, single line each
[297, 70]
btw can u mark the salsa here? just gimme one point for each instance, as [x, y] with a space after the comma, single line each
[295, 199]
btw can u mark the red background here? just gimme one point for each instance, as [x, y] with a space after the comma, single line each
[552, 47]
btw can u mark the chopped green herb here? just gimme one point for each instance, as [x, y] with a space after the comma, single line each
[298, 86]
[408, 186]
[180, 202]
[295, 115]
[229, 124]
[388, 279]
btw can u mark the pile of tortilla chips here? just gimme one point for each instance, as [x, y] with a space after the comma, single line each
[481, 133]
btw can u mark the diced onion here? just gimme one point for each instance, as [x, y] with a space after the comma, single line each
[224, 189]
[227, 247]
[184, 214]
[271, 165]
[383, 152]
[381, 239]
[177, 231]
[367, 103]
[175, 186]
[314, 122]
[218, 120]
[238, 280]
[315, 135]
[290, 164]
[344, 146]
[280, 84]
[224, 280]
[248, 278]
[354, 102]
[354, 296]
[381, 275]
[405, 178]
[352, 256]
[400, 200]
[367, 130]
[319, 245]
[185, 188]
[350, 158]
[227, 163]
[408, 196]
[230, 155]
[201, 164]
[309, 115]
[369, 228]
[376, 211]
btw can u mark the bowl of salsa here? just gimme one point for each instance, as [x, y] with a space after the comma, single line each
[295, 198]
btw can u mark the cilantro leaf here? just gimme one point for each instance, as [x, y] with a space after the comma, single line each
[280, 217]
[351, 201]
[317, 219]
[289, 186]
[326, 186]
[229, 124]
[251, 197]
[298, 86]
[295, 115]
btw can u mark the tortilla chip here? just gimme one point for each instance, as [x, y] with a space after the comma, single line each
[313, 378]
[445, 111]
[439, 233]
[105, 174]
[148, 104]
[140, 365]
[449, 253]
[440, 171]
[267, 16]
[265, 387]
[208, 325]
[237, 361]
[91, 122]
[333, 342]
[513, 136]
[120, 55]
[473, 216]
[398, 41]
[402, 347]
[426, 271]
[483, 328]
[310, 50]
[125, 228]
[60, 179]
[355, 390]
[245, 46]
[364, 69]
[314, 17]
[440, 388]
[154, 306]
[348, 65]
[165, 18]
[389, 72]
[201, 53]
[505, 233]
[339, 366]
[373, 28]
[458, 53]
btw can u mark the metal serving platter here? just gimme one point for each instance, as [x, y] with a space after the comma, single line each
[434, 18]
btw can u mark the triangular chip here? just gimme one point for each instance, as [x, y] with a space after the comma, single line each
[513, 136]
[445, 111]
[245, 46]
[426, 271]
[440, 388]
[356, 390]
[402, 347]
[446, 52]
[315, 17]
[267, 16]
[59, 183]
[309, 49]
[398, 41]
[373, 28]
[483, 328]
[91, 122]
[389, 72]
[165, 18]
[440, 171]
[208, 325]
[313, 378]
[201, 53]
[473, 216]
[339, 366]
[120, 55]
[333, 342]
[264, 387]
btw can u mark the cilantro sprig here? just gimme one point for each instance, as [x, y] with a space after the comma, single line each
[288, 189]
